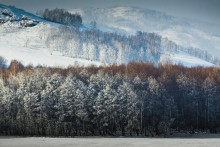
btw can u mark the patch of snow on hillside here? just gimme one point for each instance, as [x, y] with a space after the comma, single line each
[27, 45]
[184, 59]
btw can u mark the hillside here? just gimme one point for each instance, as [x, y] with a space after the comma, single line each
[183, 31]
[33, 40]
[22, 37]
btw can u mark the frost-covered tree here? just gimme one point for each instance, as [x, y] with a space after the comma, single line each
[126, 104]
[211, 101]
[80, 106]
[140, 88]
[104, 109]
[4, 102]
[190, 92]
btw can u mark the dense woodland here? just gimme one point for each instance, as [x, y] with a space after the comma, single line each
[137, 99]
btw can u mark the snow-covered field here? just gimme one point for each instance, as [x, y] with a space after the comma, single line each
[107, 142]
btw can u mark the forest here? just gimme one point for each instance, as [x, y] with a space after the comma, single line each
[134, 99]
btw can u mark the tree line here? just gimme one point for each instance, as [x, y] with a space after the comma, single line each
[137, 99]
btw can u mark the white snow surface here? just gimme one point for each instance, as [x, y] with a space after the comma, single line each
[107, 142]
[27, 45]
[189, 61]
[184, 59]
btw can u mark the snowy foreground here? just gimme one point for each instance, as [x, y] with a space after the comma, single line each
[107, 142]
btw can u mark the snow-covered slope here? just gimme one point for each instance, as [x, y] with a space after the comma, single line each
[182, 31]
[184, 59]
[16, 13]
[23, 35]
[27, 44]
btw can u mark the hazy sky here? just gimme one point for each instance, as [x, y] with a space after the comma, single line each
[206, 10]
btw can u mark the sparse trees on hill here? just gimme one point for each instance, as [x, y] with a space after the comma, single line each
[113, 48]
[108, 48]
